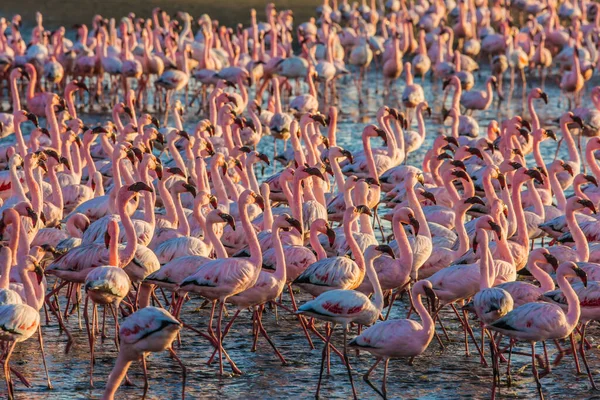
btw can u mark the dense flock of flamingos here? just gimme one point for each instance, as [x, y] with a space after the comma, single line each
[138, 216]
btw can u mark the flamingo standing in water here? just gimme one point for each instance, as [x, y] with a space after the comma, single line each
[148, 330]
[348, 306]
[399, 338]
[535, 322]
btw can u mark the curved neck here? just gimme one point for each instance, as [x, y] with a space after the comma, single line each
[522, 235]
[356, 251]
[414, 204]
[535, 121]
[574, 310]
[16, 185]
[591, 160]
[377, 299]
[428, 327]
[404, 249]
[461, 232]
[538, 205]
[571, 146]
[214, 240]
[561, 200]
[545, 280]
[581, 243]
[280, 269]
[127, 254]
[256, 257]
[21, 146]
[485, 271]
[316, 244]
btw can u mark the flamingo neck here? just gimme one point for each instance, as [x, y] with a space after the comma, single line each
[117, 375]
[522, 235]
[415, 205]
[256, 257]
[404, 249]
[377, 299]
[485, 273]
[571, 146]
[573, 310]
[545, 280]
[428, 327]
[538, 205]
[14, 91]
[591, 160]
[280, 270]
[356, 251]
[214, 240]
[316, 244]
[581, 243]
[127, 254]
[535, 121]
[561, 200]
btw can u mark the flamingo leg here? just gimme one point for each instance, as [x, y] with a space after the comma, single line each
[323, 362]
[9, 385]
[183, 371]
[535, 371]
[145, 369]
[584, 358]
[300, 318]
[41, 340]
[266, 336]
[348, 365]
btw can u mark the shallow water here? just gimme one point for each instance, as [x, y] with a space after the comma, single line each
[438, 374]
[446, 374]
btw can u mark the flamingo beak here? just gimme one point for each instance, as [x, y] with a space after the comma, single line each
[544, 97]
[384, 248]
[588, 204]
[591, 179]
[39, 272]
[33, 215]
[33, 118]
[496, 228]
[550, 133]
[106, 239]
[475, 200]
[159, 171]
[213, 201]
[415, 224]
[260, 201]
[580, 274]
[362, 209]
[140, 186]
[295, 224]
[229, 219]
[190, 188]
[553, 261]
[331, 236]
[429, 196]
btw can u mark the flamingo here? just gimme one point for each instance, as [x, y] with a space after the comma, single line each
[347, 306]
[399, 338]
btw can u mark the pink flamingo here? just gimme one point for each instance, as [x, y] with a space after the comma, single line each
[399, 337]
[220, 279]
[105, 285]
[344, 307]
[148, 330]
[534, 322]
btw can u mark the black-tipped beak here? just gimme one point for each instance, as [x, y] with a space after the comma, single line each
[475, 151]
[190, 188]
[362, 209]
[294, 223]
[155, 122]
[550, 133]
[433, 299]
[315, 172]
[475, 244]
[128, 111]
[581, 274]
[421, 179]
[588, 204]
[459, 173]
[577, 120]
[176, 171]
[39, 273]
[42, 165]
[415, 224]
[544, 97]
[429, 196]
[330, 236]
[140, 186]
[524, 133]
[496, 228]
[526, 124]
[184, 135]
[451, 140]
[445, 84]
[320, 118]
[159, 171]
[52, 153]
[65, 162]
[229, 220]
[33, 215]
[384, 248]
[568, 168]
[458, 164]
[444, 156]
[475, 200]
[591, 179]
[536, 175]
[213, 201]
[99, 129]
[264, 158]
[260, 201]
[31, 117]
[107, 239]
[553, 261]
